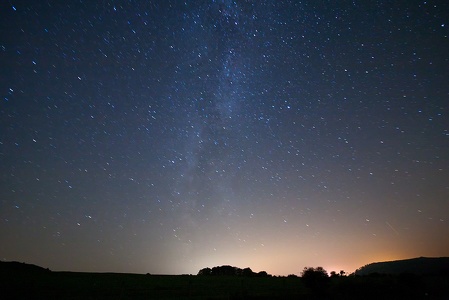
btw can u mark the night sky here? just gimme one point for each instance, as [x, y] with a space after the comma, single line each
[169, 136]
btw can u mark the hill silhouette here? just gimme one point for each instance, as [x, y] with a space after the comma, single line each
[417, 266]
[14, 266]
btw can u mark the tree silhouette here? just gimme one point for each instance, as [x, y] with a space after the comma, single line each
[262, 274]
[315, 279]
[247, 272]
[225, 270]
[339, 274]
[205, 272]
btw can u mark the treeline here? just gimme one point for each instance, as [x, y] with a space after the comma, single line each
[231, 271]
[316, 282]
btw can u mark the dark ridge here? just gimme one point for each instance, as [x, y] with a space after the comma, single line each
[14, 266]
[418, 266]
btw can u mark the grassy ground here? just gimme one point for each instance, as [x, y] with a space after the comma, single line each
[67, 285]
[133, 286]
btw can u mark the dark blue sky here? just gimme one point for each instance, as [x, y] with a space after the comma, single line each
[169, 136]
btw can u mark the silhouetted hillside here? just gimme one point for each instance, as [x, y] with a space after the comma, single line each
[14, 266]
[418, 266]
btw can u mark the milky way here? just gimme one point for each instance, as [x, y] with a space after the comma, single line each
[169, 136]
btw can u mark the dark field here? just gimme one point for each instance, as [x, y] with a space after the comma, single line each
[68, 285]
[133, 286]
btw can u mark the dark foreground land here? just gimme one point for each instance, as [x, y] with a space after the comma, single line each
[44, 284]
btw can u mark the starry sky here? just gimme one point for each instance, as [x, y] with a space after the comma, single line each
[169, 136]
